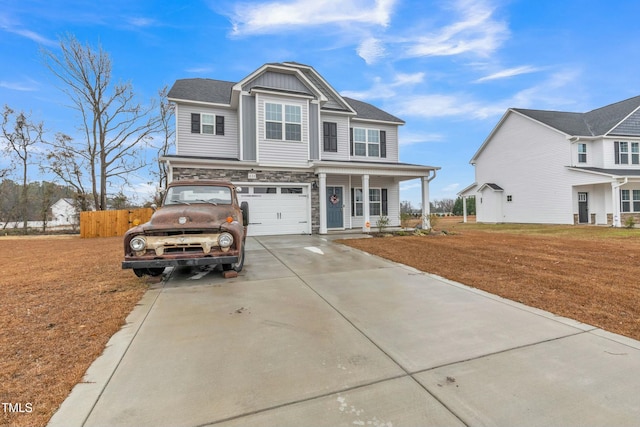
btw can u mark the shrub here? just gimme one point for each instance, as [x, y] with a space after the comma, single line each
[630, 222]
[382, 223]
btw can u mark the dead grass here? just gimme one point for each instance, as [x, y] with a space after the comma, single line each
[62, 299]
[590, 274]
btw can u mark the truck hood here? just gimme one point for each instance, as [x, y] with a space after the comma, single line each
[200, 215]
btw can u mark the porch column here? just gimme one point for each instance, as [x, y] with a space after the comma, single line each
[464, 209]
[322, 199]
[426, 209]
[366, 227]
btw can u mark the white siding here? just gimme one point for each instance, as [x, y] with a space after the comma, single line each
[204, 145]
[393, 200]
[282, 153]
[342, 122]
[529, 162]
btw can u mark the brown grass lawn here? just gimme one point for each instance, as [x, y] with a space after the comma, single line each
[61, 299]
[590, 274]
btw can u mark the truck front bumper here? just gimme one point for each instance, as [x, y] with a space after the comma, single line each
[181, 262]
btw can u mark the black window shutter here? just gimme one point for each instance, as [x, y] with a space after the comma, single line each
[351, 139]
[195, 123]
[383, 144]
[384, 201]
[616, 149]
[353, 203]
[219, 125]
[333, 136]
[330, 136]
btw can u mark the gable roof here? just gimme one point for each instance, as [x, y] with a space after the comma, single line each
[211, 91]
[599, 122]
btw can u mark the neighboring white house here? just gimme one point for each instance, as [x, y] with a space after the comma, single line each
[63, 212]
[560, 167]
[307, 159]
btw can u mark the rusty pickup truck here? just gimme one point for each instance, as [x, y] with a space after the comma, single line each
[200, 223]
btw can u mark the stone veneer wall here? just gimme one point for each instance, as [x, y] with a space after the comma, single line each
[277, 176]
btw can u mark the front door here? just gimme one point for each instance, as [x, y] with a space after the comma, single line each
[334, 207]
[583, 208]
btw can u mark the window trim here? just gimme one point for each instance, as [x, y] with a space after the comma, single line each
[366, 142]
[630, 198]
[582, 152]
[198, 123]
[383, 202]
[283, 122]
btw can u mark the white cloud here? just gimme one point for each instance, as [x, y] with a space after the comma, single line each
[509, 72]
[477, 32]
[371, 50]
[383, 90]
[142, 22]
[10, 25]
[412, 138]
[29, 86]
[273, 16]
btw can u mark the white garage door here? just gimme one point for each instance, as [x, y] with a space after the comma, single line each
[277, 209]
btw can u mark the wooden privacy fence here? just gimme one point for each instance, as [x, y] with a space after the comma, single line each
[111, 223]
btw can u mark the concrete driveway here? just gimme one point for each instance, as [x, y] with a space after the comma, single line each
[316, 333]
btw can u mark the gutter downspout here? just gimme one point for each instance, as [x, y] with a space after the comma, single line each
[615, 186]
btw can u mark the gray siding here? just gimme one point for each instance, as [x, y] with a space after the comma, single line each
[248, 127]
[630, 127]
[342, 123]
[274, 80]
[314, 132]
[204, 145]
[285, 153]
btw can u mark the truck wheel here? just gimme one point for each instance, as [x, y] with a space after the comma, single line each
[140, 271]
[148, 271]
[244, 206]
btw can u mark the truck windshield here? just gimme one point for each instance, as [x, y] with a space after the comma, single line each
[189, 194]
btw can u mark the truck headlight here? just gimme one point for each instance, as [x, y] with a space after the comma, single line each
[138, 243]
[225, 240]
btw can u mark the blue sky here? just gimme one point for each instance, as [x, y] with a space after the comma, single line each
[450, 69]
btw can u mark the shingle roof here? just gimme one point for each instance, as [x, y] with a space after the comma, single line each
[593, 123]
[219, 92]
[369, 112]
[202, 90]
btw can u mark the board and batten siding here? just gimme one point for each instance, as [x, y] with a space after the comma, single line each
[282, 81]
[342, 126]
[529, 162]
[205, 145]
[248, 109]
[282, 153]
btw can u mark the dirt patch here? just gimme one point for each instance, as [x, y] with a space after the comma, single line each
[588, 274]
[62, 299]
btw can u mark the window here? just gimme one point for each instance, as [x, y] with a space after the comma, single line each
[330, 136]
[368, 142]
[291, 190]
[635, 153]
[625, 201]
[264, 190]
[582, 153]
[278, 125]
[375, 201]
[189, 194]
[378, 204]
[209, 124]
[509, 198]
[636, 200]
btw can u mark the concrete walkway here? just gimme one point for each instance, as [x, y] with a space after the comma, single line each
[319, 334]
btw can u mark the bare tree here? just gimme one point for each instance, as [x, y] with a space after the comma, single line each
[116, 128]
[167, 140]
[68, 161]
[20, 134]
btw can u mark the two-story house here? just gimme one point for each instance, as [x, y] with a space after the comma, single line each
[306, 159]
[560, 167]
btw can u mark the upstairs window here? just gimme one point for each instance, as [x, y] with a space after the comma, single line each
[279, 126]
[368, 142]
[582, 153]
[622, 154]
[208, 124]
